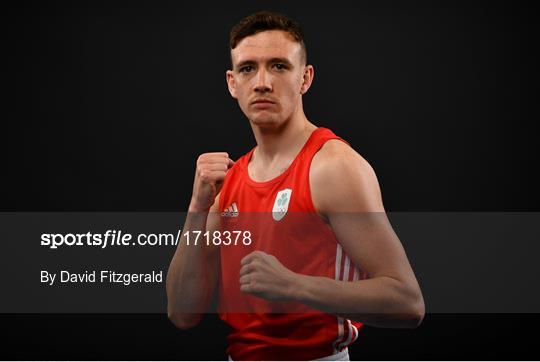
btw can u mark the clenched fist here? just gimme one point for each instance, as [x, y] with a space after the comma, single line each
[264, 276]
[209, 175]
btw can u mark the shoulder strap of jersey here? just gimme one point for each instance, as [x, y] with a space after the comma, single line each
[318, 139]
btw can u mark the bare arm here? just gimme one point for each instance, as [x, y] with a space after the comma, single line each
[192, 275]
[390, 296]
[193, 272]
[346, 194]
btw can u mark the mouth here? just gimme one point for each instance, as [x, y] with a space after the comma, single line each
[262, 103]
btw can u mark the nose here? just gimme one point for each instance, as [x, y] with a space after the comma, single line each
[263, 82]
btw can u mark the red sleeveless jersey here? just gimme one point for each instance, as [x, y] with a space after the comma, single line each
[283, 222]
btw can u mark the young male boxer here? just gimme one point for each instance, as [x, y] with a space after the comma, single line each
[345, 265]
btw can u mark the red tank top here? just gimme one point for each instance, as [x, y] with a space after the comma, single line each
[283, 222]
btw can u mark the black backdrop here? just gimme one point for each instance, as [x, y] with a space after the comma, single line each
[109, 104]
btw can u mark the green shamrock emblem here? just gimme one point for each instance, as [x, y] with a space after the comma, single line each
[282, 200]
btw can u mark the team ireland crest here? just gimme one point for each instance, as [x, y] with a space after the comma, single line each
[281, 204]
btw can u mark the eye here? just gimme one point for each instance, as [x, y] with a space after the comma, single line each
[280, 66]
[246, 69]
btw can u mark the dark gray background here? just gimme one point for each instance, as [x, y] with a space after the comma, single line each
[109, 104]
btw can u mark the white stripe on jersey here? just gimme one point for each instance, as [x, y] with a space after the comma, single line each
[352, 331]
[339, 319]
[338, 261]
[346, 270]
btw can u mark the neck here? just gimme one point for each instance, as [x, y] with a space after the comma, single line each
[283, 142]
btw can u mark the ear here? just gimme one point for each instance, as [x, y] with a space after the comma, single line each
[307, 78]
[230, 82]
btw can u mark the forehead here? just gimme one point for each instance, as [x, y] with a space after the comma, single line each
[265, 45]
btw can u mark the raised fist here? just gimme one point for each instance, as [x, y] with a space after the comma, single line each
[209, 175]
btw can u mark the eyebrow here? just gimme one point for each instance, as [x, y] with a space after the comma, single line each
[272, 60]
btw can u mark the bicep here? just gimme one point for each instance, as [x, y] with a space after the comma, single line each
[347, 192]
[371, 243]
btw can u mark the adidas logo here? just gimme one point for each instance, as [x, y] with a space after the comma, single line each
[231, 211]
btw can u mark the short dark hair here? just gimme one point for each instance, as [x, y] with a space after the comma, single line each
[266, 20]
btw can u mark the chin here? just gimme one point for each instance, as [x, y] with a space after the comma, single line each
[266, 120]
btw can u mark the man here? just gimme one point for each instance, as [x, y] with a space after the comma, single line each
[328, 252]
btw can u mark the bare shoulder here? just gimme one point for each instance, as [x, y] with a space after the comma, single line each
[341, 180]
